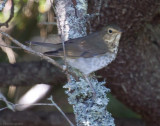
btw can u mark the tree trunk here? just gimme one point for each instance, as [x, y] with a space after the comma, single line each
[134, 77]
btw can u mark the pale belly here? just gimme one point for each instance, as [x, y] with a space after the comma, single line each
[89, 65]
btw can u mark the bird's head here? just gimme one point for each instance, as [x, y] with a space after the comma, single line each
[111, 37]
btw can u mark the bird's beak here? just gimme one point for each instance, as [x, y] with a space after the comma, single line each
[121, 31]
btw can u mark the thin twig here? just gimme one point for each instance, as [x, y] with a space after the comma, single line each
[31, 51]
[62, 40]
[7, 46]
[47, 23]
[98, 4]
[26, 48]
[9, 104]
[59, 109]
[40, 104]
[3, 108]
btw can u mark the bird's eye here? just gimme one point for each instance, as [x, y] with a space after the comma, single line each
[110, 31]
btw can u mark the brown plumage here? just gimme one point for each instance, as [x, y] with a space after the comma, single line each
[97, 47]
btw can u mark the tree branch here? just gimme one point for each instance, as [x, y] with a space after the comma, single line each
[25, 74]
[42, 118]
[26, 48]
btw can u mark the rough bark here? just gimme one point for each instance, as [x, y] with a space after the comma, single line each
[134, 76]
[25, 74]
[42, 118]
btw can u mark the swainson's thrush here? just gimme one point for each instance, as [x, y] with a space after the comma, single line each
[90, 53]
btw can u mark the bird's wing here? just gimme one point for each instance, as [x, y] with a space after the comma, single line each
[86, 47]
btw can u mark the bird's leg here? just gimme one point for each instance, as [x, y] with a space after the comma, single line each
[85, 76]
[90, 84]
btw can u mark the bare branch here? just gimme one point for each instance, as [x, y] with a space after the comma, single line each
[17, 74]
[7, 46]
[47, 23]
[26, 48]
[13, 106]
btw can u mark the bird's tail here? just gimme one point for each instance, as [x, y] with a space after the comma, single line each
[46, 47]
[56, 49]
[45, 44]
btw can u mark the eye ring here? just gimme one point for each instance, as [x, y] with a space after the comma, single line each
[110, 31]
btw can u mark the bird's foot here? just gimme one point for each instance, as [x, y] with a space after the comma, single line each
[91, 86]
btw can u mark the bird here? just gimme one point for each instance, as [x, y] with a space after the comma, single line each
[90, 53]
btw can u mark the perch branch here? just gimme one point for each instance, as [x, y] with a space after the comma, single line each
[26, 48]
